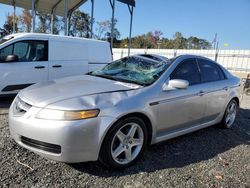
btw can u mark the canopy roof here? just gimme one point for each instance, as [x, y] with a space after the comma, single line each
[64, 8]
[46, 6]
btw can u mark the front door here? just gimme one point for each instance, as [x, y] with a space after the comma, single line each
[31, 66]
[182, 108]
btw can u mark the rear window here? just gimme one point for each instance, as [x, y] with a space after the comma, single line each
[210, 71]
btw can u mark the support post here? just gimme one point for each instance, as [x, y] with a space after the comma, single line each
[112, 22]
[69, 17]
[92, 18]
[52, 22]
[131, 10]
[33, 16]
[66, 8]
[14, 16]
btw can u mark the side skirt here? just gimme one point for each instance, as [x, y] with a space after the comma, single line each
[185, 131]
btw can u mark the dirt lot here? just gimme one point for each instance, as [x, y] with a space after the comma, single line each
[212, 157]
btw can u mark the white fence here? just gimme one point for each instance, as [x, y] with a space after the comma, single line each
[234, 60]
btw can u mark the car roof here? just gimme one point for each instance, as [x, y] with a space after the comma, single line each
[153, 57]
[186, 56]
[163, 58]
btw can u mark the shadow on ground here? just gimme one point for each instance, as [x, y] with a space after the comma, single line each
[192, 148]
[5, 102]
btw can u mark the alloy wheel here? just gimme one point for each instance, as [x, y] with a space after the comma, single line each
[127, 143]
[230, 114]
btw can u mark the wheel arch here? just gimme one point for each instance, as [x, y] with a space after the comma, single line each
[145, 119]
[140, 115]
[237, 100]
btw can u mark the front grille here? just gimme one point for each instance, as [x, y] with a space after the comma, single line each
[53, 148]
[20, 107]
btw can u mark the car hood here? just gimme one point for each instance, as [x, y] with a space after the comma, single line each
[45, 93]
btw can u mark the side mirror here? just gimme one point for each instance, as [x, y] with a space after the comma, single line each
[11, 58]
[175, 84]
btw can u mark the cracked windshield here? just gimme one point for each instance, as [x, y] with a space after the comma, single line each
[133, 70]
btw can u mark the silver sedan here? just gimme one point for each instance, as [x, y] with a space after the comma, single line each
[112, 114]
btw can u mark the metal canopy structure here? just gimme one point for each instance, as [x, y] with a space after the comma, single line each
[65, 8]
[54, 7]
[131, 5]
[46, 6]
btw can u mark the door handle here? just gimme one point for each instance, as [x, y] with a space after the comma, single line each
[39, 67]
[201, 93]
[57, 66]
[225, 88]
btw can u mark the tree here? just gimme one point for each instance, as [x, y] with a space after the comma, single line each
[8, 25]
[103, 30]
[150, 40]
[179, 41]
[167, 43]
[57, 27]
[44, 24]
[196, 43]
[80, 24]
[116, 33]
[25, 20]
[155, 40]
[139, 41]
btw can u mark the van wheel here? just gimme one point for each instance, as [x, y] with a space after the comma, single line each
[124, 143]
[230, 114]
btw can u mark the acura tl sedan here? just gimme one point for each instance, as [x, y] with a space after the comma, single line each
[112, 114]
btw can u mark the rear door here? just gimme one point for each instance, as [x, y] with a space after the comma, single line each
[31, 67]
[215, 88]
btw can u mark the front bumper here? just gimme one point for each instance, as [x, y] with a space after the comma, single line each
[78, 141]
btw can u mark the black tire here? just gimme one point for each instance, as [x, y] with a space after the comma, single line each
[105, 156]
[224, 123]
[247, 91]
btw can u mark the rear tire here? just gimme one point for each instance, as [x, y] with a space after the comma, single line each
[124, 143]
[247, 91]
[230, 114]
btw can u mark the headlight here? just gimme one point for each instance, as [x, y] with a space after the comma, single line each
[67, 115]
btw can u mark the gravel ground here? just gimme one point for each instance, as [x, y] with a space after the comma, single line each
[211, 157]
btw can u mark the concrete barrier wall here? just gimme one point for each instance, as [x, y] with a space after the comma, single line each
[233, 60]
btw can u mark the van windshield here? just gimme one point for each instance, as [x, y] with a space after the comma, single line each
[5, 39]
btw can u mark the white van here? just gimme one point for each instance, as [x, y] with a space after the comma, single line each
[28, 58]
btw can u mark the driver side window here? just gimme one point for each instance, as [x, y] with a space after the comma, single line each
[26, 51]
[5, 52]
[187, 70]
[21, 50]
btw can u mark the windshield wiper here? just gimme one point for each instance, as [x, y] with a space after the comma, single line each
[132, 82]
[104, 76]
[116, 79]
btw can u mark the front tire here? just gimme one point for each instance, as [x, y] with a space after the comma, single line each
[124, 143]
[230, 114]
